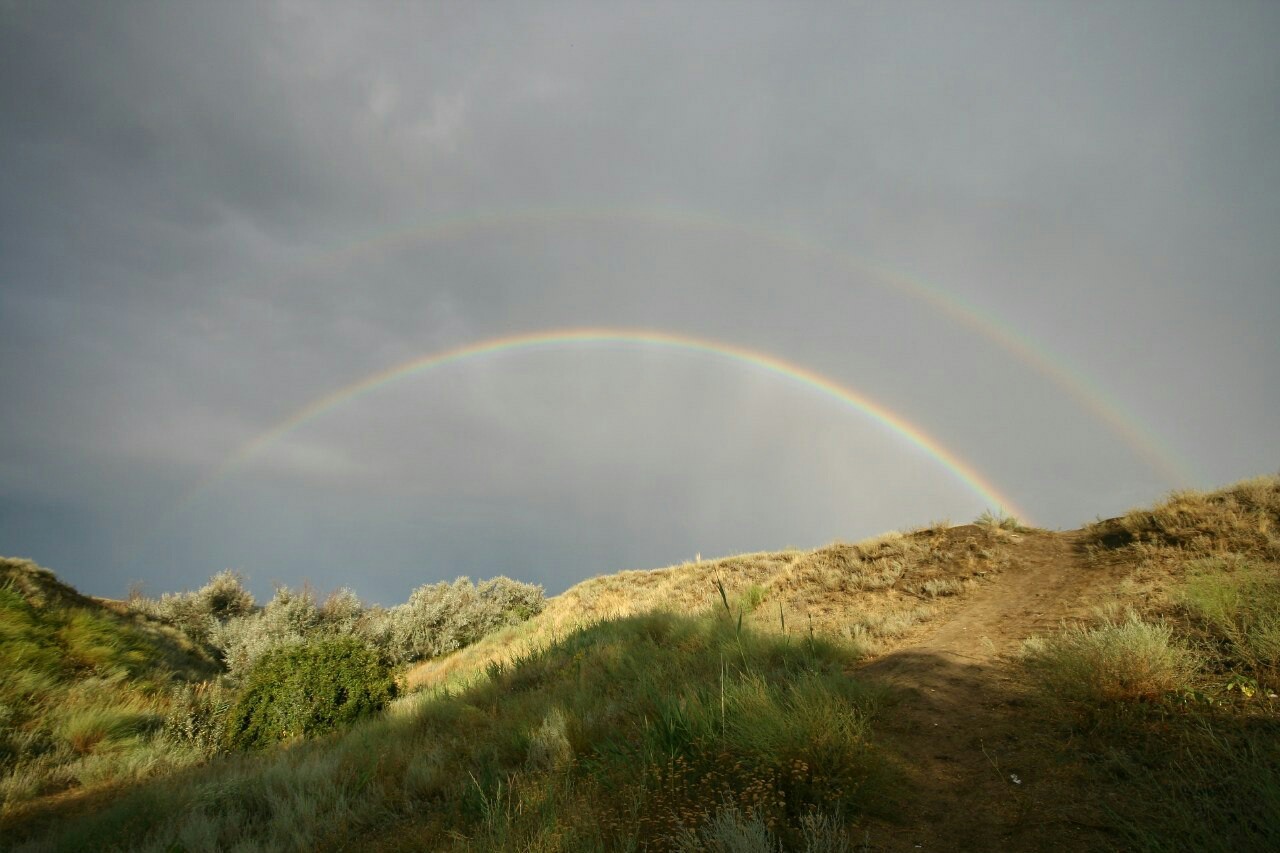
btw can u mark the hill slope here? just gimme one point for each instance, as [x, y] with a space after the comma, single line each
[876, 696]
[82, 685]
[871, 593]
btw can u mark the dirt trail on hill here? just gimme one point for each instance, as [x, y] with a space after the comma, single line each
[960, 723]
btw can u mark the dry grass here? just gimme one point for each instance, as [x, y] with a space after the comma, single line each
[872, 592]
[1243, 518]
[1161, 545]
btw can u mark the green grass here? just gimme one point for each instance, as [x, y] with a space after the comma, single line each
[1237, 602]
[83, 689]
[630, 732]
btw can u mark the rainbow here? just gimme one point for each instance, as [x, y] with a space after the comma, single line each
[600, 336]
[1141, 439]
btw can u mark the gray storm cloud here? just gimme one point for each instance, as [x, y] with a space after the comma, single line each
[194, 244]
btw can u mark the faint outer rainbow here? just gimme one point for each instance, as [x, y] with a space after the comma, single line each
[564, 337]
[1141, 439]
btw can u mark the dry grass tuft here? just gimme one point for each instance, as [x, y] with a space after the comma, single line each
[1124, 659]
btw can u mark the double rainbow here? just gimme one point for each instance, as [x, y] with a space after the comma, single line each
[1144, 441]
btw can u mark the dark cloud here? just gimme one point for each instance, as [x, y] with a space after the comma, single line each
[194, 243]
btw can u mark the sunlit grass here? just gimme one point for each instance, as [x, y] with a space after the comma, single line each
[1238, 602]
[83, 690]
[1124, 659]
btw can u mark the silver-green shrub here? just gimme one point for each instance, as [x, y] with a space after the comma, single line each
[437, 619]
[443, 617]
[197, 613]
[342, 611]
[289, 617]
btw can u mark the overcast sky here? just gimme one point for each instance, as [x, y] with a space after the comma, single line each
[197, 204]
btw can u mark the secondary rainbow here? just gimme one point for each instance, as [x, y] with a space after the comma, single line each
[979, 484]
[1141, 439]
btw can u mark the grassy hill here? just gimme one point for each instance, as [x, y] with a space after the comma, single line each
[974, 687]
[84, 687]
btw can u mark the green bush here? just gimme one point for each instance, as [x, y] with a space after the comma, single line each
[307, 689]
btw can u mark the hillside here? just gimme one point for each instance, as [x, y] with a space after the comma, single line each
[975, 687]
[83, 685]
[870, 594]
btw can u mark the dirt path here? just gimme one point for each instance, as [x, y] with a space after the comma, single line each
[976, 782]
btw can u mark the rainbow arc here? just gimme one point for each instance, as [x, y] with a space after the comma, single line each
[766, 362]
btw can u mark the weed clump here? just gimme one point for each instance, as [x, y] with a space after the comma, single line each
[1125, 659]
[1000, 521]
[197, 716]
[309, 689]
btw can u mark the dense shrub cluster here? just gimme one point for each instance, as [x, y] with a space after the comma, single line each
[437, 619]
[197, 613]
[289, 618]
[444, 617]
[309, 689]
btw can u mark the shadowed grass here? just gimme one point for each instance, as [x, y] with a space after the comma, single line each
[626, 733]
[1176, 712]
[1238, 604]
